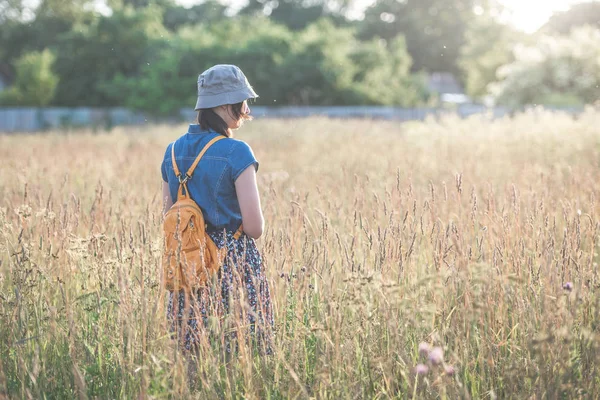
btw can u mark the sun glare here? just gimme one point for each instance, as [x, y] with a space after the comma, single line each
[530, 15]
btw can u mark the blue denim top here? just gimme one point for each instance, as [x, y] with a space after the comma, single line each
[212, 185]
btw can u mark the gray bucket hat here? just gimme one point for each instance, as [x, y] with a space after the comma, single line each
[223, 84]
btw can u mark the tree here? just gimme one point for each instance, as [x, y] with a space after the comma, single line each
[587, 13]
[488, 46]
[321, 65]
[559, 70]
[158, 88]
[329, 66]
[291, 13]
[72, 10]
[51, 19]
[434, 29]
[257, 45]
[92, 55]
[383, 74]
[129, 58]
[136, 4]
[298, 14]
[35, 83]
[209, 11]
[168, 83]
[319, 68]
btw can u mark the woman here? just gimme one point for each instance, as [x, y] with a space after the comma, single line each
[224, 186]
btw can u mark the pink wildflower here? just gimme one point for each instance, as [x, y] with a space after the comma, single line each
[421, 369]
[568, 286]
[436, 355]
[424, 348]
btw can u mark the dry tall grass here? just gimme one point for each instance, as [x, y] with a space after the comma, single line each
[475, 236]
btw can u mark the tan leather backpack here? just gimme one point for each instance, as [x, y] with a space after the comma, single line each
[190, 256]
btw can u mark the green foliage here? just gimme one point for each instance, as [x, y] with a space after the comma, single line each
[479, 60]
[562, 70]
[290, 13]
[168, 83]
[326, 65]
[119, 4]
[35, 83]
[585, 13]
[298, 14]
[322, 64]
[209, 11]
[18, 37]
[319, 67]
[72, 10]
[383, 74]
[147, 55]
[434, 29]
[158, 88]
[92, 55]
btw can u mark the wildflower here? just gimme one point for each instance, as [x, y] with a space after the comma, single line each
[424, 348]
[449, 370]
[436, 355]
[568, 286]
[421, 369]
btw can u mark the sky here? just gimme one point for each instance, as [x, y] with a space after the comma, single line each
[526, 15]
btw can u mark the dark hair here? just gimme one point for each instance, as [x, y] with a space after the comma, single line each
[209, 119]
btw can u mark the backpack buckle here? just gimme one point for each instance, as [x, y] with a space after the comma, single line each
[183, 179]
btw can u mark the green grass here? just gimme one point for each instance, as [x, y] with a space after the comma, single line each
[379, 236]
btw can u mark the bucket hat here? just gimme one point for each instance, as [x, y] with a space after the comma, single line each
[223, 84]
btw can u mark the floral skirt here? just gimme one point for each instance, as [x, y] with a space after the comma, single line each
[238, 300]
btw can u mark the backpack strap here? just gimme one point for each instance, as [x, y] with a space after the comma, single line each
[190, 171]
[175, 168]
[188, 175]
[239, 232]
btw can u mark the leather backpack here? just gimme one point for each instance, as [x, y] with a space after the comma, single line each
[190, 257]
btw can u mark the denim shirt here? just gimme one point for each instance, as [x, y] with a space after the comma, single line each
[212, 185]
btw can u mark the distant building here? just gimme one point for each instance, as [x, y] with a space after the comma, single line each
[447, 87]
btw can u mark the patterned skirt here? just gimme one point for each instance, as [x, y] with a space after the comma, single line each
[238, 300]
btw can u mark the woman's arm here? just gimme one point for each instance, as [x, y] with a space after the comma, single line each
[248, 197]
[166, 197]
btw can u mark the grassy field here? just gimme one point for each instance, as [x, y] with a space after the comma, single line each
[478, 238]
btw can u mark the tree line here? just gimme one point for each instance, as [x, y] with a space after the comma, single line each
[146, 55]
